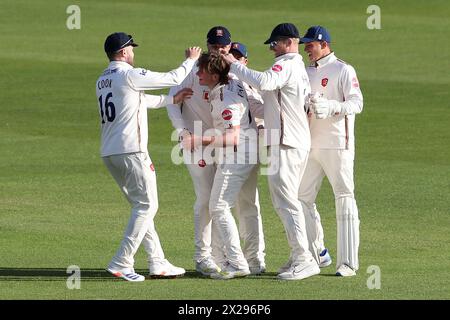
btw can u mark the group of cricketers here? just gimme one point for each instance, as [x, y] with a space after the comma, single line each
[225, 113]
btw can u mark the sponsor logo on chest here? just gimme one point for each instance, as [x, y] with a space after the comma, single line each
[227, 114]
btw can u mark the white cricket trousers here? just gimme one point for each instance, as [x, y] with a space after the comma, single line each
[337, 165]
[228, 183]
[203, 179]
[135, 175]
[206, 236]
[287, 166]
[248, 213]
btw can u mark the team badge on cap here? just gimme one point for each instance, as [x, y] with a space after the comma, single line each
[219, 33]
[324, 82]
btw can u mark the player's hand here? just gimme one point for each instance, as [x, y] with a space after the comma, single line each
[228, 58]
[190, 142]
[183, 94]
[308, 104]
[324, 108]
[193, 52]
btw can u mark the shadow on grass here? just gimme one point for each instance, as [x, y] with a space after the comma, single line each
[58, 274]
[50, 274]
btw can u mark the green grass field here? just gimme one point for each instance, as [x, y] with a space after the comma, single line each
[60, 207]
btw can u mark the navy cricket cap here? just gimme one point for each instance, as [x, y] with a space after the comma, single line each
[218, 35]
[239, 47]
[283, 30]
[119, 40]
[316, 33]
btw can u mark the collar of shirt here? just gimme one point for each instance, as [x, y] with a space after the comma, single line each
[119, 64]
[324, 60]
[288, 55]
[215, 91]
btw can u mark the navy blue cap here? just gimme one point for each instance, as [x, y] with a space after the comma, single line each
[283, 30]
[119, 40]
[218, 35]
[316, 33]
[239, 47]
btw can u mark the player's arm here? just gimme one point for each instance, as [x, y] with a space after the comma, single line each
[353, 103]
[155, 102]
[255, 102]
[174, 111]
[231, 115]
[229, 138]
[269, 80]
[141, 79]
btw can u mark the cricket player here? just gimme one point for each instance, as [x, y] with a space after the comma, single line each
[284, 88]
[194, 116]
[336, 100]
[256, 102]
[124, 134]
[235, 144]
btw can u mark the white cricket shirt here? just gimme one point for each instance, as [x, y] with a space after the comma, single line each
[229, 108]
[123, 104]
[196, 108]
[336, 80]
[284, 88]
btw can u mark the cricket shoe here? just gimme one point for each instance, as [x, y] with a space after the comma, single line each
[126, 273]
[345, 271]
[207, 266]
[256, 267]
[164, 269]
[285, 267]
[300, 271]
[230, 272]
[324, 258]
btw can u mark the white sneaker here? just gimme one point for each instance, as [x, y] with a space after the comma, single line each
[164, 269]
[345, 271]
[300, 271]
[230, 272]
[126, 273]
[256, 266]
[207, 267]
[324, 259]
[285, 267]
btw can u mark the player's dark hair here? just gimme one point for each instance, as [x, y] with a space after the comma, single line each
[213, 63]
[112, 55]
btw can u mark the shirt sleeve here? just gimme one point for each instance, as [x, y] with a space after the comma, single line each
[353, 99]
[272, 79]
[255, 101]
[142, 79]
[174, 110]
[231, 112]
[155, 102]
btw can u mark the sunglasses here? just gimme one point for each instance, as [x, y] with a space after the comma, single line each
[273, 44]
